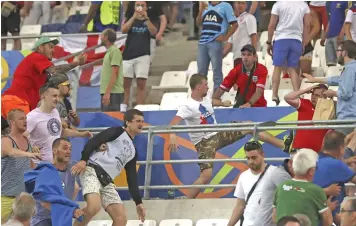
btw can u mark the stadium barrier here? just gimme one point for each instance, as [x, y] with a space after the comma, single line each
[254, 126]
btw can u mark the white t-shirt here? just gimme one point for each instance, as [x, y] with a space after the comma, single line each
[247, 27]
[317, 3]
[44, 128]
[351, 18]
[195, 113]
[291, 16]
[246, 180]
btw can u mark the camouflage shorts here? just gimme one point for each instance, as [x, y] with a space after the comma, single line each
[207, 147]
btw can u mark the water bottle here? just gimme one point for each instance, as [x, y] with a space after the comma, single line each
[171, 194]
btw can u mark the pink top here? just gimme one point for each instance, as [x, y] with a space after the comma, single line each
[44, 128]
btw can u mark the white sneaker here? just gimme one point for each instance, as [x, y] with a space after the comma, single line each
[123, 107]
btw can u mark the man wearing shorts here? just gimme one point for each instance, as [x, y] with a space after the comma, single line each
[98, 168]
[291, 29]
[305, 62]
[139, 29]
[10, 22]
[199, 110]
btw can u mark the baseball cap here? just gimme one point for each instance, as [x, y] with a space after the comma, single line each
[320, 86]
[58, 79]
[44, 40]
[249, 48]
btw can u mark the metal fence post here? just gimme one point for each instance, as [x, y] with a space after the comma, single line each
[148, 172]
[255, 132]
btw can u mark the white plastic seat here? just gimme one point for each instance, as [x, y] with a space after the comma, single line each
[79, 9]
[213, 222]
[171, 101]
[334, 71]
[174, 78]
[263, 39]
[281, 94]
[139, 223]
[147, 107]
[100, 223]
[176, 222]
[318, 72]
[29, 30]
[286, 83]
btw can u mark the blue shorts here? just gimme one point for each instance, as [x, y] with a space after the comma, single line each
[287, 52]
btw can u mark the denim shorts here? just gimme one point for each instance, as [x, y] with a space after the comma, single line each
[287, 52]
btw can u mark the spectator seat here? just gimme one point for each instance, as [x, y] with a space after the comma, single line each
[176, 222]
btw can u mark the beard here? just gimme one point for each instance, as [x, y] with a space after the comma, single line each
[341, 60]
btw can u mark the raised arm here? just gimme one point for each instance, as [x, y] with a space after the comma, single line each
[293, 98]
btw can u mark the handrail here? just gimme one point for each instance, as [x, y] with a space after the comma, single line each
[52, 36]
[250, 126]
[165, 187]
[223, 125]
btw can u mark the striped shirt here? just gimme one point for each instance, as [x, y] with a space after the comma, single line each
[12, 173]
[216, 20]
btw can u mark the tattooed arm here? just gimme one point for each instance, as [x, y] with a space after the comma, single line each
[64, 68]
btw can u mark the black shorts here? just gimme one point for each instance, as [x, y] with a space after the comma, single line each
[11, 23]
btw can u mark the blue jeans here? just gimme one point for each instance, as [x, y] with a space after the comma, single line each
[212, 51]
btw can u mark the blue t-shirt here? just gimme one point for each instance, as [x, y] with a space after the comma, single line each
[337, 14]
[68, 182]
[332, 171]
[98, 26]
[216, 20]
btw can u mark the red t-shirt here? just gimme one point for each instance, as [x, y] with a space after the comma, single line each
[239, 77]
[29, 76]
[312, 139]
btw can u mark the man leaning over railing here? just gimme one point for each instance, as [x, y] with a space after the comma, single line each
[32, 73]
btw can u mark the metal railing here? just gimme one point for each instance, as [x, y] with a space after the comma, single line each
[51, 36]
[251, 126]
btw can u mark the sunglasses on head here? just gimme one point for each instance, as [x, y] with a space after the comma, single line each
[252, 145]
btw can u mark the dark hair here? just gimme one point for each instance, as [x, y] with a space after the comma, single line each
[130, 114]
[333, 141]
[252, 146]
[195, 80]
[111, 34]
[46, 86]
[350, 47]
[284, 220]
[57, 141]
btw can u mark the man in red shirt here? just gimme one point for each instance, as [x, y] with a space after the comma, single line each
[32, 73]
[251, 89]
[311, 139]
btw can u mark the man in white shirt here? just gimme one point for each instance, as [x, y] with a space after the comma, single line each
[290, 23]
[350, 23]
[247, 193]
[44, 123]
[199, 110]
[246, 32]
[23, 208]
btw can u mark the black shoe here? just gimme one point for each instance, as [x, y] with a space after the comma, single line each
[288, 142]
[276, 99]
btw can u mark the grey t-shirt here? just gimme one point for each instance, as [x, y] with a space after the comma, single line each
[271, 182]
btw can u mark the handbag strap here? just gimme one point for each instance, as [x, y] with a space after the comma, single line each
[248, 83]
[255, 185]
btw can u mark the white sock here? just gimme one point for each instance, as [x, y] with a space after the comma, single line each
[123, 107]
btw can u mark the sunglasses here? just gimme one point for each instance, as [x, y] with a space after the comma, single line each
[252, 145]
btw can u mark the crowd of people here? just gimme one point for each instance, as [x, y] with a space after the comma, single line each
[307, 189]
